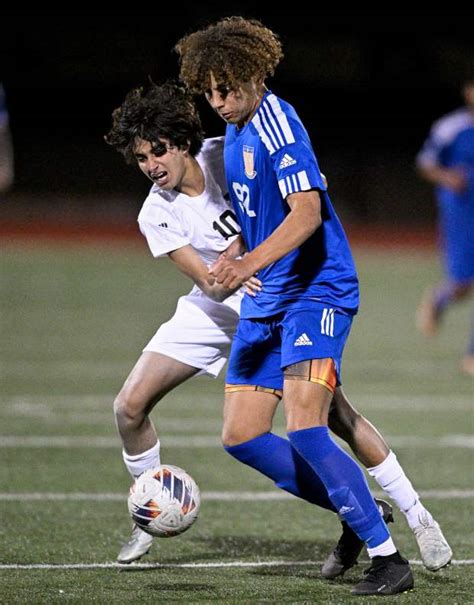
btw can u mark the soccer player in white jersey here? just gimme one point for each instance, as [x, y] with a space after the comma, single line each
[299, 251]
[447, 162]
[187, 217]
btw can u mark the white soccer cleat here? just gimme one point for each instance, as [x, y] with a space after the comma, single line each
[138, 545]
[434, 549]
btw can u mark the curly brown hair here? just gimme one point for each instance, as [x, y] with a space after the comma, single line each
[152, 113]
[234, 49]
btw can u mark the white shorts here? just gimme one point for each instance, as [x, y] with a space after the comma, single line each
[200, 332]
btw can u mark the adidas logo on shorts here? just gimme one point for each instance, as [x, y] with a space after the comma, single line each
[303, 341]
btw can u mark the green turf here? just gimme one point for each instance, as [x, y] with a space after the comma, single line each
[73, 321]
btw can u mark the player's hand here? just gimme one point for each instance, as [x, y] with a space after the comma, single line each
[253, 285]
[455, 179]
[236, 248]
[231, 273]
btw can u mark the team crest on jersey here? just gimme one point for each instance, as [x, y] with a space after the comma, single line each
[250, 171]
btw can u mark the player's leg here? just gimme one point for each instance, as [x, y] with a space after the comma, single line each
[456, 228]
[313, 341]
[196, 339]
[306, 408]
[253, 389]
[467, 363]
[435, 302]
[371, 449]
[363, 438]
[247, 436]
[153, 376]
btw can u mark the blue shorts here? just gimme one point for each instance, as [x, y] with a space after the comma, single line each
[262, 348]
[456, 214]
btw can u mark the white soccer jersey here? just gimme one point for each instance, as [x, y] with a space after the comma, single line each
[201, 330]
[170, 220]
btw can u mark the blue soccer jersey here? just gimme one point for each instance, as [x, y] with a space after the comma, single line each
[451, 144]
[265, 161]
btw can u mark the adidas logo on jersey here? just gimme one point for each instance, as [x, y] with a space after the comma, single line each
[286, 161]
[303, 341]
[163, 225]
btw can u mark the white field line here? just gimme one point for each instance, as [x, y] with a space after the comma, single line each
[224, 496]
[95, 401]
[99, 369]
[52, 416]
[216, 565]
[208, 441]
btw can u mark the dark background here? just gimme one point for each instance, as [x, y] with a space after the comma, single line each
[367, 87]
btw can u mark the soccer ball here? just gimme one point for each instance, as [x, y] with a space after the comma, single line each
[164, 501]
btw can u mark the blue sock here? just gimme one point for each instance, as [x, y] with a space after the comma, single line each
[345, 482]
[275, 458]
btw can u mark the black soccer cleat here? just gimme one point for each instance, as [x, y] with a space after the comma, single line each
[386, 576]
[349, 547]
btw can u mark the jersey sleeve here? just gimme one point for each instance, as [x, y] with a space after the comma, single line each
[436, 149]
[287, 141]
[162, 230]
[432, 149]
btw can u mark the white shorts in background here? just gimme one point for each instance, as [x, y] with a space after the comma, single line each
[200, 332]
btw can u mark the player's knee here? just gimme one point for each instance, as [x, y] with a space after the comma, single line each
[129, 409]
[232, 437]
[235, 435]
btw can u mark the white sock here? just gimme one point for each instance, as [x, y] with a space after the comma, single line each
[392, 479]
[382, 550]
[139, 463]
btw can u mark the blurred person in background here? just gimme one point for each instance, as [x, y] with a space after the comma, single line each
[447, 162]
[6, 148]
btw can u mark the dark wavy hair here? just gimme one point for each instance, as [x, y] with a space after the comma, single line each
[234, 49]
[152, 113]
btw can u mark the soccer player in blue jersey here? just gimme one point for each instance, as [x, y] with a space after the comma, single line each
[187, 216]
[291, 335]
[447, 161]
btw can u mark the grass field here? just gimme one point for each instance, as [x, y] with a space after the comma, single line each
[74, 320]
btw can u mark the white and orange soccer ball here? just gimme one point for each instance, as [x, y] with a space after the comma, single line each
[164, 501]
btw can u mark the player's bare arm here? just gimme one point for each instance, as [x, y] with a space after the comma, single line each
[452, 178]
[237, 248]
[302, 221]
[191, 264]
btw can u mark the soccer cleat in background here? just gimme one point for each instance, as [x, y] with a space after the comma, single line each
[349, 547]
[138, 545]
[434, 549]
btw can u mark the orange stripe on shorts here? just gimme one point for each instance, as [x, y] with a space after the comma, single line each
[319, 371]
[236, 388]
